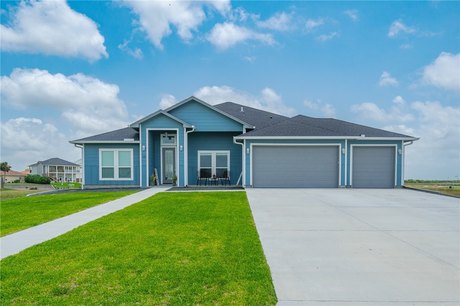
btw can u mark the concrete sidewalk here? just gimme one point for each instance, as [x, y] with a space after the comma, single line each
[16, 242]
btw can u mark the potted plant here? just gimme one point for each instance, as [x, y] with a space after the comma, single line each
[153, 180]
[174, 180]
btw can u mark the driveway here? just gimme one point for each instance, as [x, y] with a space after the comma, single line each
[360, 246]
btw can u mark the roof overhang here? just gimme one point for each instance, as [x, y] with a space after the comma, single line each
[160, 112]
[327, 137]
[193, 98]
[104, 141]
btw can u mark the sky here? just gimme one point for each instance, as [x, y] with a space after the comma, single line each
[78, 68]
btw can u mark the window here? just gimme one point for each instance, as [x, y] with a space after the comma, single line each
[116, 164]
[168, 139]
[214, 163]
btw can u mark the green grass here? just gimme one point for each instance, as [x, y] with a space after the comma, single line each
[171, 249]
[65, 185]
[7, 194]
[449, 188]
[23, 212]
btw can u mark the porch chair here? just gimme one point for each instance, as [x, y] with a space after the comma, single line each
[201, 179]
[225, 179]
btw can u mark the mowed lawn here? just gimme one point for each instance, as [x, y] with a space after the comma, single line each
[23, 212]
[173, 248]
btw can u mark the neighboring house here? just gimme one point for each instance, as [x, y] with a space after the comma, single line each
[193, 140]
[12, 175]
[57, 169]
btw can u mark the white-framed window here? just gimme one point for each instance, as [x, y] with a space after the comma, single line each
[116, 164]
[168, 139]
[214, 164]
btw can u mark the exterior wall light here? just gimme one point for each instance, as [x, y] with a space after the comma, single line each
[343, 150]
[181, 147]
[247, 150]
[399, 151]
[143, 147]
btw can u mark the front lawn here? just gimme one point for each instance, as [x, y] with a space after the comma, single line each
[446, 187]
[7, 194]
[173, 248]
[66, 185]
[20, 213]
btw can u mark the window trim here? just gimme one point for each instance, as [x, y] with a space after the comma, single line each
[116, 165]
[213, 154]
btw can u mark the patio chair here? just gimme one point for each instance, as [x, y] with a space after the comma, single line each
[225, 179]
[201, 178]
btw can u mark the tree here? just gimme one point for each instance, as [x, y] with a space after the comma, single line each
[5, 168]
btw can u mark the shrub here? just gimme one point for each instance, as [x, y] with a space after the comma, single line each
[37, 179]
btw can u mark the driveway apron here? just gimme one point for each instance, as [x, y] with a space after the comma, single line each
[360, 246]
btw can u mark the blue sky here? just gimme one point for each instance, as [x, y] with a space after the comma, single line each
[78, 68]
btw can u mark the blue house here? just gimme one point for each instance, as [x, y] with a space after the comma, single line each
[195, 143]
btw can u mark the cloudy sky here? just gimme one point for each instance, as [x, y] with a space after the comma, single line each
[78, 68]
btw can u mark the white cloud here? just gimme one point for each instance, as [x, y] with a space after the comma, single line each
[436, 154]
[387, 80]
[281, 21]
[312, 24]
[326, 37]
[226, 35]
[444, 72]
[136, 52]
[167, 101]
[157, 17]
[53, 28]
[89, 104]
[318, 107]
[267, 100]
[398, 27]
[27, 140]
[353, 14]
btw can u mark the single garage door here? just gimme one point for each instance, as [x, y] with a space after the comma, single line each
[373, 167]
[295, 166]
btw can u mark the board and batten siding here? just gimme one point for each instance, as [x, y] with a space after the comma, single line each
[205, 119]
[91, 171]
[161, 123]
[213, 141]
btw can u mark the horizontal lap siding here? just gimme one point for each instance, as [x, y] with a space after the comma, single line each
[205, 119]
[213, 141]
[91, 171]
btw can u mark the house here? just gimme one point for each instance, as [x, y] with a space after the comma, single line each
[193, 140]
[14, 176]
[57, 169]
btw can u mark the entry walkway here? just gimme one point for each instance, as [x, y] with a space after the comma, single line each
[16, 242]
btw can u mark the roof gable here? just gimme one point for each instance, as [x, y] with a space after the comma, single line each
[160, 112]
[205, 117]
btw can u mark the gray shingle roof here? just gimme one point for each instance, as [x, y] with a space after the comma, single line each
[55, 161]
[117, 135]
[252, 116]
[321, 127]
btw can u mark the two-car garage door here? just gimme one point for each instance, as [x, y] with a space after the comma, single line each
[317, 166]
[295, 166]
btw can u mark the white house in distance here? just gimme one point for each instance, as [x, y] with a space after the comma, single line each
[57, 169]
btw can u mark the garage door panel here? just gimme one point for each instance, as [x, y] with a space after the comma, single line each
[296, 166]
[373, 167]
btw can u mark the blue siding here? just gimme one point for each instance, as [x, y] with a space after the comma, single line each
[213, 141]
[399, 158]
[159, 122]
[91, 170]
[205, 119]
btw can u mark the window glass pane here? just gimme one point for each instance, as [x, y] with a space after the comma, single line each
[222, 173]
[107, 159]
[60, 169]
[124, 159]
[124, 172]
[52, 169]
[205, 160]
[205, 173]
[221, 160]
[170, 139]
[108, 172]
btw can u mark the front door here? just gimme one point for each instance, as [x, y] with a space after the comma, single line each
[169, 164]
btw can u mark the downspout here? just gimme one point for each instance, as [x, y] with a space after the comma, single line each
[243, 160]
[186, 153]
[82, 147]
[404, 159]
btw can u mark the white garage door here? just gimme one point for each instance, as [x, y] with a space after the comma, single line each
[373, 167]
[295, 166]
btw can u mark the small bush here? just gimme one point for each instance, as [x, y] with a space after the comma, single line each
[16, 181]
[37, 179]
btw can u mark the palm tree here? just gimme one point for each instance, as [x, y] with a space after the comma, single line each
[5, 168]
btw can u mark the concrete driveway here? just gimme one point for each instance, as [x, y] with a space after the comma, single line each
[360, 246]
